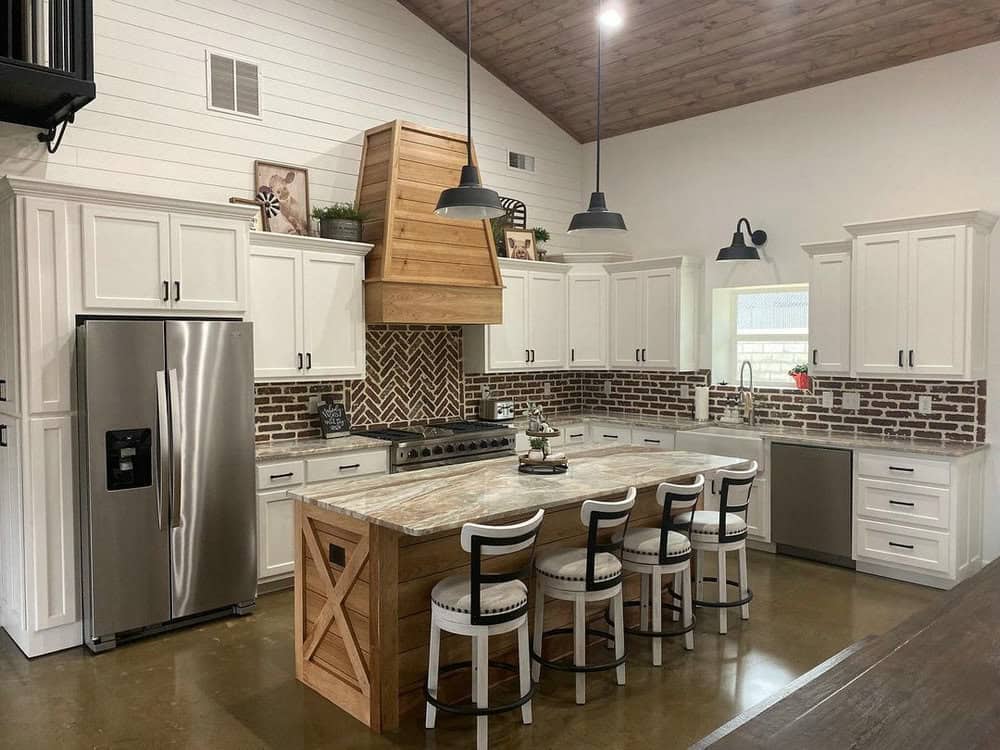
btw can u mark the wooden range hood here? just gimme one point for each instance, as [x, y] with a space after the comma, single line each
[423, 268]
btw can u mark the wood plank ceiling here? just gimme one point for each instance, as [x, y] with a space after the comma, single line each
[675, 59]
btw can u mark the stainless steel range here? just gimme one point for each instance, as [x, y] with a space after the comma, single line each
[443, 444]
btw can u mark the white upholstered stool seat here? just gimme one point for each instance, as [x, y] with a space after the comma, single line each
[454, 594]
[705, 523]
[567, 568]
[643, 546]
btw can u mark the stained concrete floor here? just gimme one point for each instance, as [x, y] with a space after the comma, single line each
[231, 683]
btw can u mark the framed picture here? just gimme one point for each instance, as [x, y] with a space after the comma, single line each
[291, 186]
[520, 244]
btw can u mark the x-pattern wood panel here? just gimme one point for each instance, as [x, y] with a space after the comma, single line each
[675, 59]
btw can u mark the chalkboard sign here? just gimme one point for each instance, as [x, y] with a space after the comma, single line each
[333, 421]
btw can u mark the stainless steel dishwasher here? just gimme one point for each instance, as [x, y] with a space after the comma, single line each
[811, 510]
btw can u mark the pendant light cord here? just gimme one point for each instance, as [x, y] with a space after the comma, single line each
[600, 43]
[468, 79]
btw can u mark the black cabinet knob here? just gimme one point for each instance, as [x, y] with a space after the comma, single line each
[438, 450]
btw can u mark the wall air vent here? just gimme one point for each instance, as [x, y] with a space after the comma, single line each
[233, 85]
[522, 162]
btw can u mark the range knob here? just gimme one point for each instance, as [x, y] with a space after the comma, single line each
[461, 446]
[412, 453]
[425, 452]
[494, 443]
[483, 444]
[505, 442]
[438, 450]
[449, 448]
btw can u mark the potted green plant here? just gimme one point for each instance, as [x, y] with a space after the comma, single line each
[541, 237]
[340, 221]
[800, 374]
[498, 226]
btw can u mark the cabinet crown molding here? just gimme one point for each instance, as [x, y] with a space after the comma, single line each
[824, 248]
[982, 220]
[315, 244]
[14, 185]
[585, 256]
[532, 265]
[651, 264]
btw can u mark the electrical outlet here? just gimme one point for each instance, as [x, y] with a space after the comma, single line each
[314, 402]
[546, 389]
[484, 391]
[852, 400]
[827, 399]
[685, 391]
[924, 405]
[607, 387]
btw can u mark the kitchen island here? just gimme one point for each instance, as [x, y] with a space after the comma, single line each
[368, 553]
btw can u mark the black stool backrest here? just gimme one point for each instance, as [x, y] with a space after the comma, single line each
[481, 541]
[600, 516]
[734, 497]
[674, 498]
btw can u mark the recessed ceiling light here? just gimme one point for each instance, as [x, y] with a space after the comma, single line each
[610, 18]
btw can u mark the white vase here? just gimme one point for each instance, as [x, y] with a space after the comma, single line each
[536, 455]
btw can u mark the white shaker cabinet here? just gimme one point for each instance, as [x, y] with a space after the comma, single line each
[654, 313]
[508, 341]
[920, 292]
[307, 307]
[587, 321]
[547, 310]
[208, 263]
[829, 307]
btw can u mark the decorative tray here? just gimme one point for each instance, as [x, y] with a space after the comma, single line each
[550, 434]
[541, 466]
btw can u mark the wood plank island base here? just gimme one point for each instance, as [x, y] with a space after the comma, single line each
[368, 553]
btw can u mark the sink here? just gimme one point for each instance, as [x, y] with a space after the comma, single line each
[742, 442]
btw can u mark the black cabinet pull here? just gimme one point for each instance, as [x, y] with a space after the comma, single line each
[904, 546]
[650, 440]
[300, 360]
[911, 358]
[612, 437]
[643, 355]
[527, 355]
[177, 291]
[3, 390]
[900, 357]
[309, 360]
[636, 355]
[3, 436]
[532, 356]
[900, 468]
[350, 466]
[815, 355]
[577, 435]
[287, 475]
[572, 355]
[166, 291]
[900, 502]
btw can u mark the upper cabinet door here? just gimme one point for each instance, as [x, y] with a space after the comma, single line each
[937, 302]
[333, 324]
[208, 259]
[880, 275]
[626, 336]
[508, 341]
[661, 322]
[547, 319]
[276, 312]
[588, 315]
[830, 313]
[126, 258]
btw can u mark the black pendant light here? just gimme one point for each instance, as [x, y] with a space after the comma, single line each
[739, 250]
[470, 200]
[597, 217]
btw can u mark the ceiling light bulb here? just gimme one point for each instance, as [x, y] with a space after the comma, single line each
[610, 18]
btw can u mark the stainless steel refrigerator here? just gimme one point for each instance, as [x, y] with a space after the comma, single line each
[167, 502]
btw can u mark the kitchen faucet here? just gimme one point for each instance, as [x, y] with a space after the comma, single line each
[746, 395]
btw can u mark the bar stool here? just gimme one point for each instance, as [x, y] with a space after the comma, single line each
[480, 605]
[723, 531]
[664, 551]
[580, 575]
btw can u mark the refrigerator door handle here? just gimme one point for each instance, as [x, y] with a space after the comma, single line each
[175, 448]
[163, 430]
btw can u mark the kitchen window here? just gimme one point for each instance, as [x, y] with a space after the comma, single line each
[767, 326]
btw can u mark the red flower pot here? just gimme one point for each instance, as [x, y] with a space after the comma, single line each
[802, 381]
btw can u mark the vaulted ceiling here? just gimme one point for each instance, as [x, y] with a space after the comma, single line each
[675, 59]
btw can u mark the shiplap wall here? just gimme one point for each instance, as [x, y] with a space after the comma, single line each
[329, 70]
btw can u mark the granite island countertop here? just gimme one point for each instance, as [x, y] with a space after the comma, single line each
[291, 449]
[444, 498]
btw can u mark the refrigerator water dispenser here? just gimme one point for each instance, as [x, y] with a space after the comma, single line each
[129, 459]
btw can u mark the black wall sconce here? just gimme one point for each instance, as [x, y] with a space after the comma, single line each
[739, 250]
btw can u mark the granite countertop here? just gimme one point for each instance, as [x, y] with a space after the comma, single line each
[616, 417]
[444, 498]
[286, 449]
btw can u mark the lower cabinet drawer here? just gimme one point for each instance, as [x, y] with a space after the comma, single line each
[281, 474]
[574, 434]
[344, 465]
[610, 433]
[904, 503]
[903, 468]
[662, 439]
[903, 546]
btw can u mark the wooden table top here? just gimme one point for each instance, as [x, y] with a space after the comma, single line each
[932, 682]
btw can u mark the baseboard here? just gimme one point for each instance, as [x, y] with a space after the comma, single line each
[920, 579]
[276, 584]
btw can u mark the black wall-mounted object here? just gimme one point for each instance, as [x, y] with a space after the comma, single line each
[738, 249]
[46, 63]
[333, 420]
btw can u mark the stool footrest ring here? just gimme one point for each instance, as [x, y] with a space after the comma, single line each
[470, 709]
[725, 605]
[565, 666]
[637, 630]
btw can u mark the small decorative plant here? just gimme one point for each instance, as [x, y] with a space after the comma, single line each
[541, 237]
[498, 226]
[340, 221]
[800, 374]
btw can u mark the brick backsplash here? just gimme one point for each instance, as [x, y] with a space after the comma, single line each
[415, 376]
